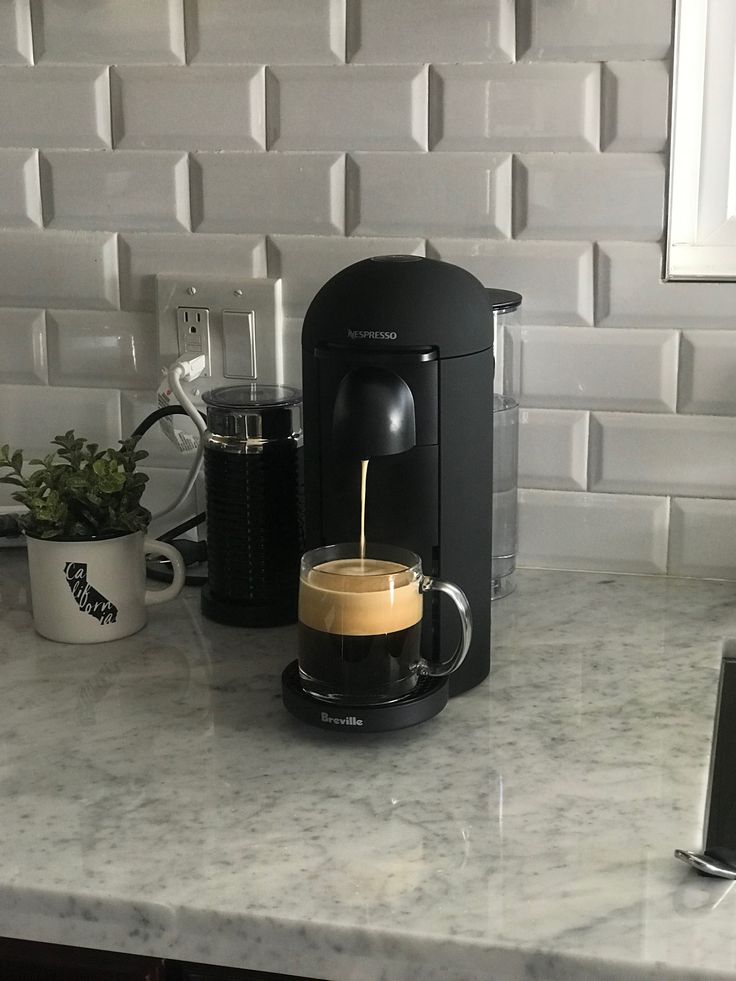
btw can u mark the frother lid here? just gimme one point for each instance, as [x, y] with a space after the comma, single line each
[254, 412]
[238, 397]
[504, 301]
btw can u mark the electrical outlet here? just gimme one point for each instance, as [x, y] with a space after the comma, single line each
[236, 324]
[193, 332]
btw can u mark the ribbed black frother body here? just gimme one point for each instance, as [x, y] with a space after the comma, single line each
[253, 478]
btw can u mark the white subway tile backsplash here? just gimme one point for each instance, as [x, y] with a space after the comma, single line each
[32, 415]
[514, 107]
[20, 191]
[76, 270]
[23, 342]
[118, 189]
[143, 255]
[630, 292]
[553, 449]
[228, 138]
[255, 192]
[133, 32]
[594, 30]
[197, 107]
[596, 532]
[65, 106]
[135, 406]
[703, 539]
[554, 278]
[348, 107]
[416, 31]
[598, 368]
[690, 456]
[582, 195]
[89, 348]
[16, 40]
[266, 31]
[635, 101]
[707, 383]
[305, 263]
[449, 194]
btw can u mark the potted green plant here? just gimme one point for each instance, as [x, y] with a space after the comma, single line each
[85, 529]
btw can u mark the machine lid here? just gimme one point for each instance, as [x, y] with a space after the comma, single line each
[504, 301]
[400, 302]
[255, 397]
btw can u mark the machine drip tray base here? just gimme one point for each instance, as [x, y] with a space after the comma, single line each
[427, 700]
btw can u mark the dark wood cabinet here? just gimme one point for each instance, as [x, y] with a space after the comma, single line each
[21, 960]
[25, 960]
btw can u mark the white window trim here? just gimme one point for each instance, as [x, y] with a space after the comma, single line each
[701, 230]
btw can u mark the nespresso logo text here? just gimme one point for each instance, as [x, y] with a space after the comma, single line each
[372, 335]
[349, 720]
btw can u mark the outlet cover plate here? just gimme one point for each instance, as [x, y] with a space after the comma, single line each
[261, 297]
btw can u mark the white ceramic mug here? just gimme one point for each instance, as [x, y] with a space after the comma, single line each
[85, 592]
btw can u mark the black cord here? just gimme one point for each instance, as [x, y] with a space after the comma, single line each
[195, 551]
[187, 525]
[160, 413]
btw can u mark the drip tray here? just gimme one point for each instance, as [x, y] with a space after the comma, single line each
[427, 700]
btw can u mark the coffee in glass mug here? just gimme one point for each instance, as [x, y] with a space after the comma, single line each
[360, 623]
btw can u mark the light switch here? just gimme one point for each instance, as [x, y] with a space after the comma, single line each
[239, 343]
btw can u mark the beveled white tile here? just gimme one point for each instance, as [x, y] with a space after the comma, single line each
[598, 368]
[689, 456]
[255, 192]
[291, 349]
[448, 194]
[20, 190]
[414, 31]
[118, 189]
[76, 270]
[32, 415]
[197, 107]
[135, 406]
[554, 278]
[368, 107]
[589, 196]
[163, 487]
[131, 33]
[514, 107]
[266, 31]
[630, 292]
[703, 539]
[594, 30]
[69, 105]
[16, 39]
[595, 532]
[635, 104]
[23, 343]
[89, 348]
[144, 254]
[553, 449]
[305, 263]
[707, 373]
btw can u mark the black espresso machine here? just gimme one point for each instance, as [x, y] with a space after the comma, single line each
[383, 332]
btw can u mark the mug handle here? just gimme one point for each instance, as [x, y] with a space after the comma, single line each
[460, 600]
[155, 596]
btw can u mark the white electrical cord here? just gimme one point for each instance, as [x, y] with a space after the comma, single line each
[187, 371]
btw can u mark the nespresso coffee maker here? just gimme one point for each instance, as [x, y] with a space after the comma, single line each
[389, 339]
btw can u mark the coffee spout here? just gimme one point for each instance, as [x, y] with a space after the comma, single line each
[373, 414]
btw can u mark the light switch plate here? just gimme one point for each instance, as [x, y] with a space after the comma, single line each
[251, 307]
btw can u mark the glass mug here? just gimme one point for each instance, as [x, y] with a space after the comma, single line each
[360, 624]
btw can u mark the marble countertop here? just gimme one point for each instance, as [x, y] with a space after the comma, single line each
[156, 798]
